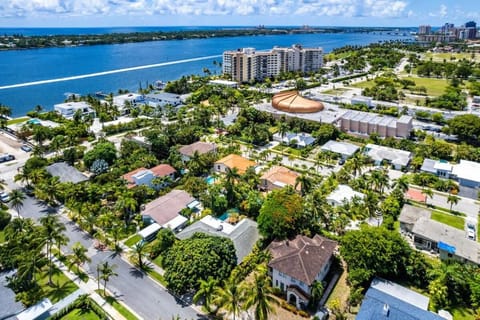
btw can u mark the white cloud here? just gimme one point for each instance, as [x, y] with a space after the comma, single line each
[345, 8]
[442, 12]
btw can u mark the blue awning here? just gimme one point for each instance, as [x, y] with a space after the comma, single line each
[446, 247]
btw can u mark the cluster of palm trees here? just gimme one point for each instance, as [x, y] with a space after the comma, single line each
[233, 297]
[29, 249]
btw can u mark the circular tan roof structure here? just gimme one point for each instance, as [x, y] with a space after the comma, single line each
[292, 101]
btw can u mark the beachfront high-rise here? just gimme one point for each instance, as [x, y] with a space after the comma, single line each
[247, 64]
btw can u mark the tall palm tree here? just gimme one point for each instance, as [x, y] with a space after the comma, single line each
[401, 183]
[139, 251]
[106, 272]
[379, 180]
[283, 129]
[17, 197]
[261, 296]
[428, 193]
[231, 178]
[453, 200]
[79, 255]
[53, 233]
[206, 291]
[305, 184]
[230, 296]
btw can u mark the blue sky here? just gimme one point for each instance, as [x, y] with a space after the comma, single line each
[98, 13]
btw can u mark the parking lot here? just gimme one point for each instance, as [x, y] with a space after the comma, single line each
[11, 145]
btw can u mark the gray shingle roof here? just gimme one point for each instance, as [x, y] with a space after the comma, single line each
[244, 236]
[66, 173]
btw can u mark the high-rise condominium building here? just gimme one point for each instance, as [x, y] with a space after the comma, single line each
[245, 65]
[424, 29]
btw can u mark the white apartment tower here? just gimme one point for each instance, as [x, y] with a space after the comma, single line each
[245, 65]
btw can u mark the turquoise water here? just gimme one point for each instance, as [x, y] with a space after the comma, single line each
[34, 121]
[210, 180]
[227, 213]
[24, 66]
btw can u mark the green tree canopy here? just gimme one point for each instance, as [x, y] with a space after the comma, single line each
[373, 251]
[198, 258]
[281, 215]
[466, 126]
[102, 150]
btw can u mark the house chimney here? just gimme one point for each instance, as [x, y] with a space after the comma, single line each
[386, 310]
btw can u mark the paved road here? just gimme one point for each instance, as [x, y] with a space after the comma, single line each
[143, 295]
[140, 292]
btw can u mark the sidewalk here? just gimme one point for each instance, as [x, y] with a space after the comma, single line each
[65, 302]
[89, 288]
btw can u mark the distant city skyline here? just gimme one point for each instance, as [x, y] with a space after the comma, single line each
[111, 13]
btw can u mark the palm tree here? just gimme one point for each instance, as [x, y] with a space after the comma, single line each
[261, 296]
[379, 180]
[106, 272]
[231, 178]
[283, 129]
[401, 183]
[52, 232]
[230, 297]
[453, 200]
[79, 255]
[17, 197]
[428, 193]
[356, 164]
[206, 291]
[305, 184]
[139, 252]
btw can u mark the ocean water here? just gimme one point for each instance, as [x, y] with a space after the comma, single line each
[88, 69]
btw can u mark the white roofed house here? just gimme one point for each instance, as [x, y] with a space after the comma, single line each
[343, 194]
[344, 149]
[467, 173]
[129, 99]
[69, 109]
[397, 158]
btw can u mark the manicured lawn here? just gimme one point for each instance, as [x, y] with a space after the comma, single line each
[62, 286]
[133, 240]
[435, 87]
[79, 314]
[118, 306]
[458, 56]
[340, 293]
[17, 120]
[363, 84]
[338, 91]
[2, 236]
[453, 221]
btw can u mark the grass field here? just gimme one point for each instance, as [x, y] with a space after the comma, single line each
[453, 221]
[17, 120]
[133, 240]
[62, 286]
[338, 91]
[439, 57]
[2, 236]
[435, 87]
[79, 314]
[363, 84]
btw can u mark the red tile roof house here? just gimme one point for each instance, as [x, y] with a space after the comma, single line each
[296, 264]
[143, 176]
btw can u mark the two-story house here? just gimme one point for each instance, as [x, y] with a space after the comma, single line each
[296, 264]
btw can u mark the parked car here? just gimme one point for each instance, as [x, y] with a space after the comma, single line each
[6, 157]
[26, 148]
[4, 197]
[471, 231]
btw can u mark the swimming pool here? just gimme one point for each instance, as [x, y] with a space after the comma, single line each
[210, 180]
[34, 121]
